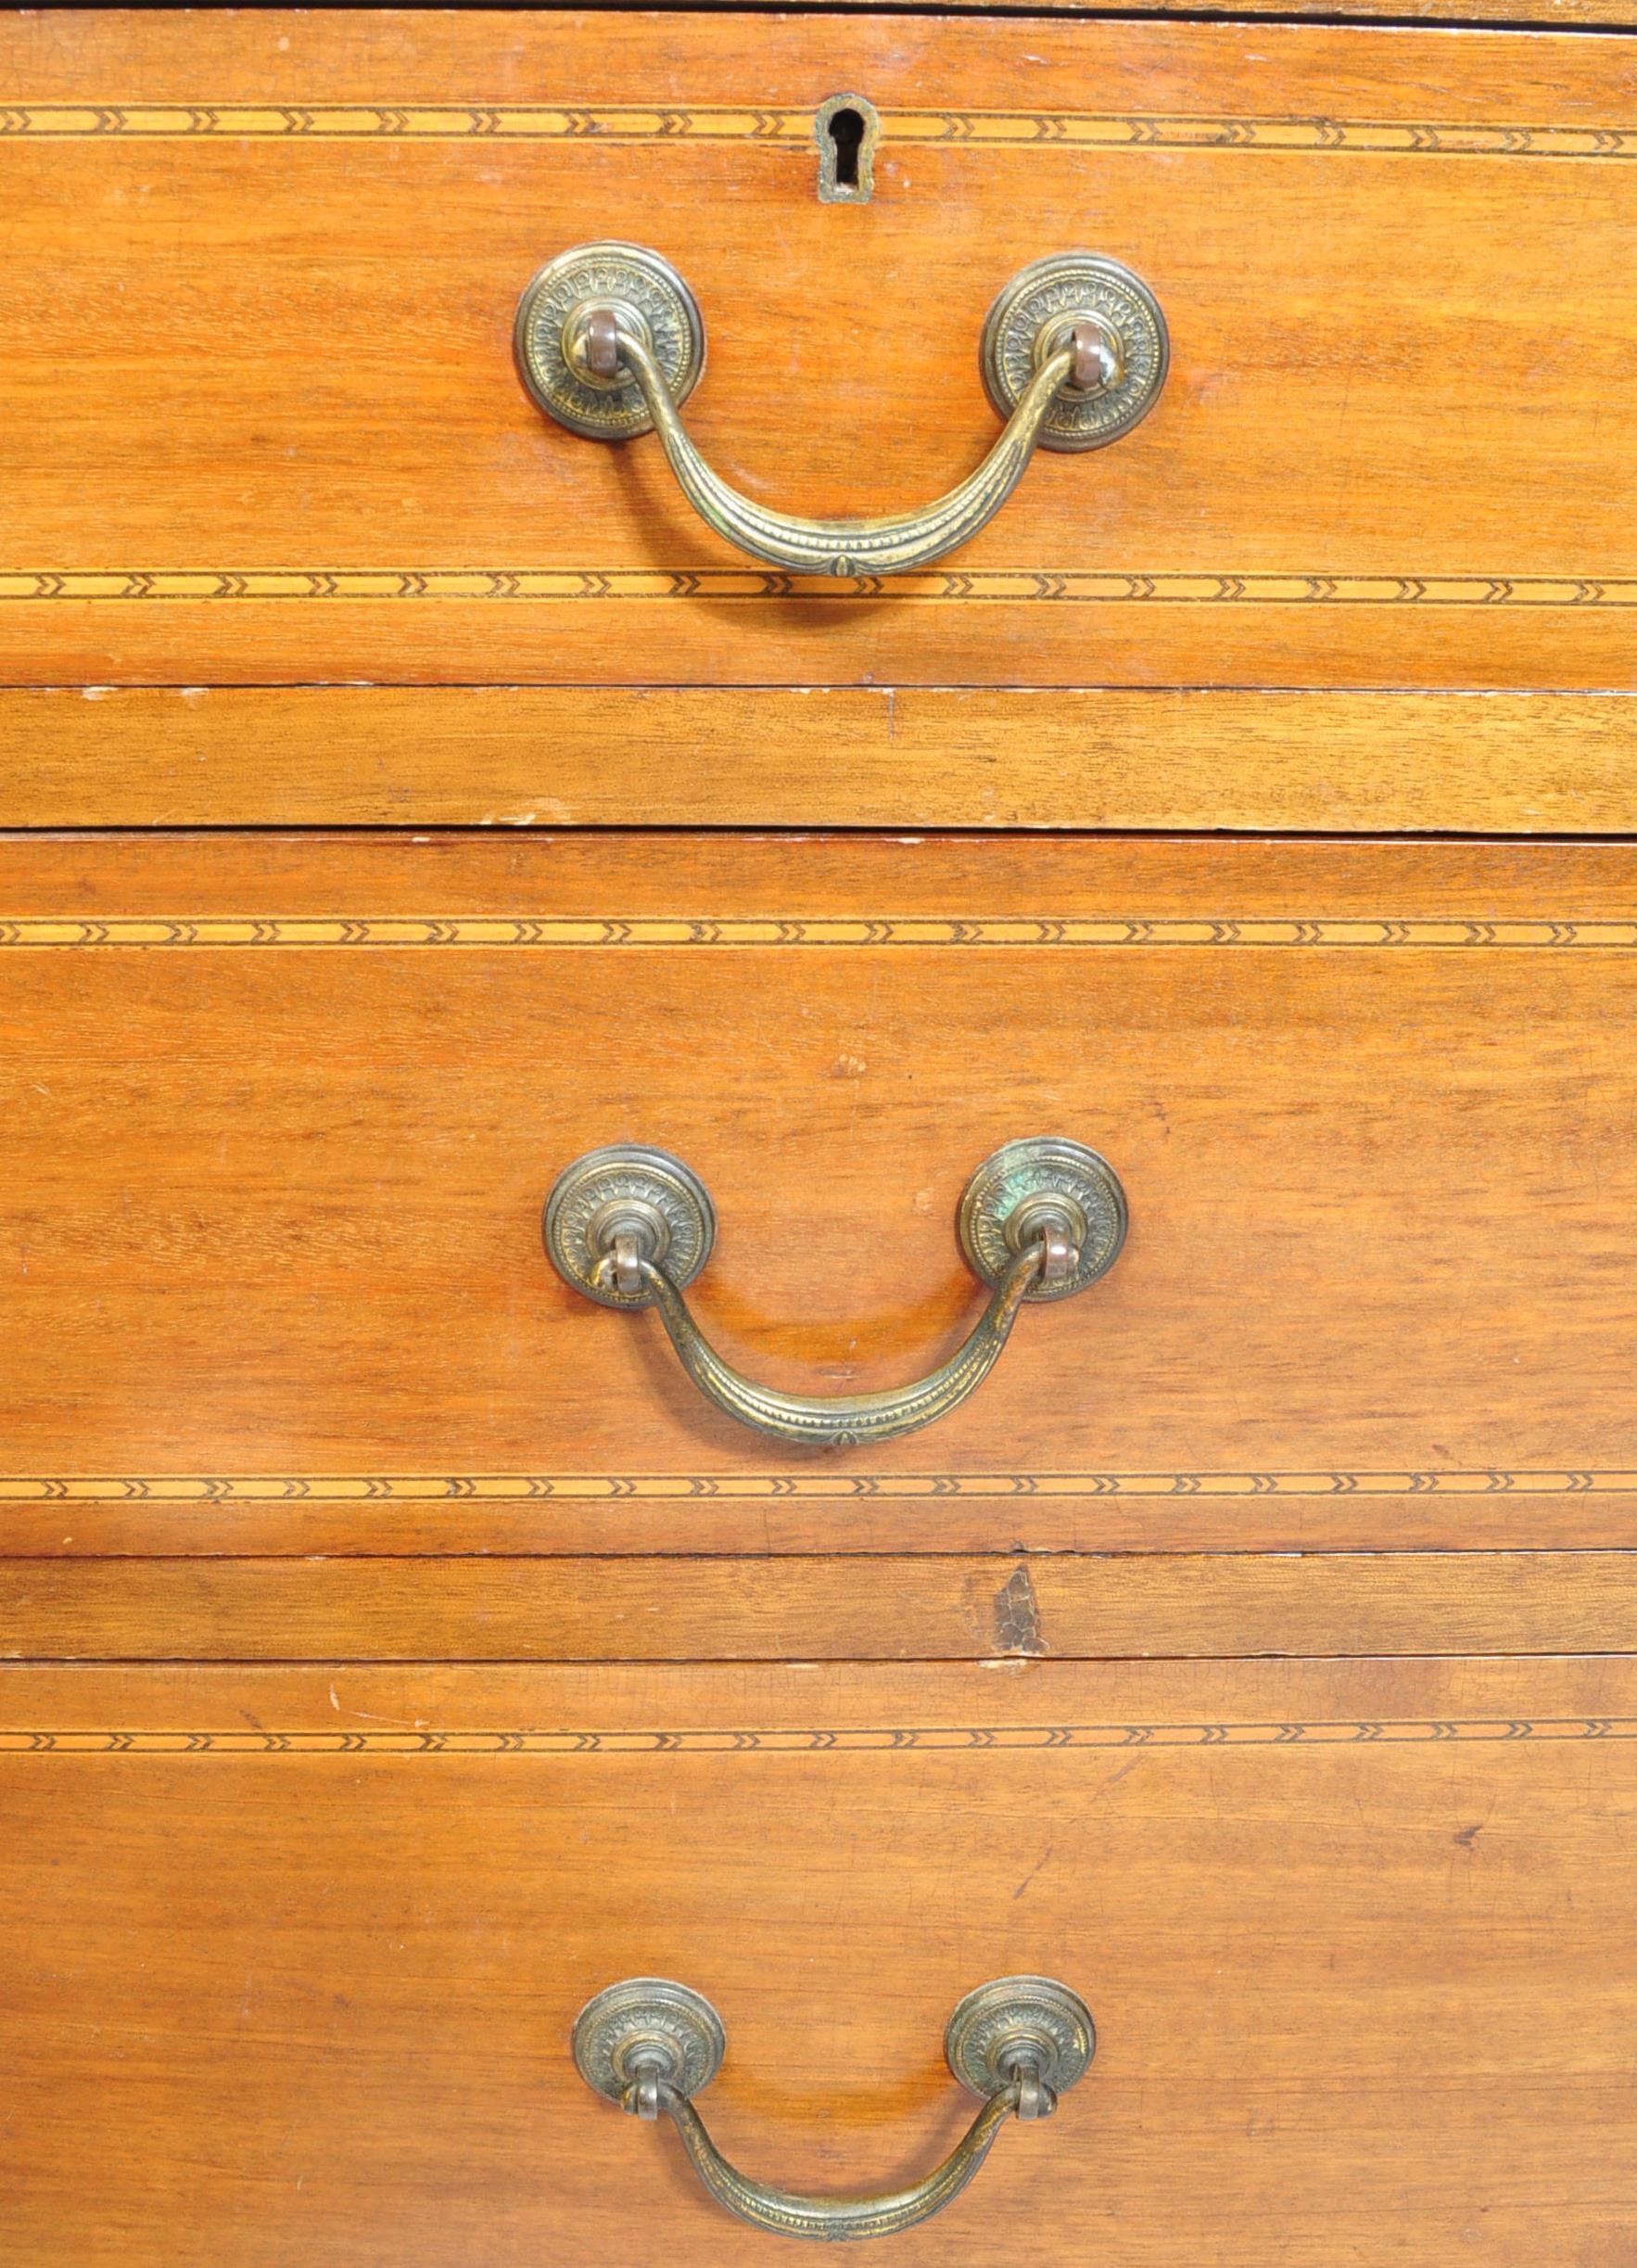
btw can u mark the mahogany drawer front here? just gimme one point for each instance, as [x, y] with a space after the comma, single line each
[291, 1956]
[279, 256]
[280, 1116]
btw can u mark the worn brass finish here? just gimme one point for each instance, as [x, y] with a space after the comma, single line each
[621, 1191]
[631, 1226]
[833, 188]
[846, 1421]
[1018, 2042]
[561, 362]
[894, 545]
[1030, 1189]
[1022, 2029]
[647, 2025]
[1073, 353]
[1124, 355]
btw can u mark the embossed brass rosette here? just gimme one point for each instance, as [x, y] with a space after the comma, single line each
[648, 2023]
[627, 1190]
[1029, 1186]
[1037, 311]
[647, 297]
[1017, 2020]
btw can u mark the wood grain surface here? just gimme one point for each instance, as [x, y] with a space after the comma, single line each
[1533, 15]
[1355, 1938]
[277, 255]
[523, 756]
[270, 1210]
[923, 1609]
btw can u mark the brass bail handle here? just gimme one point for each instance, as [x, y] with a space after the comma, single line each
[651, 2045]
[630, 1227]
[610, 342]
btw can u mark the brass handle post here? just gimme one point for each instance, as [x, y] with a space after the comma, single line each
[651, 2045]
[630, 1227]
[610, 342]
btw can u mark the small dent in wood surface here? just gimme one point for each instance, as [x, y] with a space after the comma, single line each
[1017, 1616]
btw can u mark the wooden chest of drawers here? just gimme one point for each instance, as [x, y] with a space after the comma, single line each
[1151, 964]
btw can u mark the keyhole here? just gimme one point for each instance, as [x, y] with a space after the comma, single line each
[845, 130]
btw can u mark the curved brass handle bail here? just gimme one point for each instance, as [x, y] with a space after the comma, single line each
[850, 1421]
[651, 2045]
[784, 2212]
[610, 342]
[630, 1227]
[894, 545]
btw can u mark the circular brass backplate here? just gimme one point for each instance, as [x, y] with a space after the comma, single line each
[1034, 312]
[645, 289]
[648, 2020]
[627, 1185]
[1022, 1185]
[1033, 2015]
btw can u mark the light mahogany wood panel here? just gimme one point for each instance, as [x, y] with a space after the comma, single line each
[1356, 1938]
[1532, 14]
[269, 1211]
[146, 55]
[520, 756]
[834, 1610]
[273, 358]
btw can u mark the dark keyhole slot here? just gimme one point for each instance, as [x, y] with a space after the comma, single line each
[846, 132]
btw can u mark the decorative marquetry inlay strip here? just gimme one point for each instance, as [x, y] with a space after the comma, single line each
[851, 1739]
[491, 932]
[996, 586]
[984, 130]
[580, 1487]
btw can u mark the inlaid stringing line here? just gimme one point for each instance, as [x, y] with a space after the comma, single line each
[629, 123]
[845, 1740]
[753, 586]
[213, 1489]
[909, 932]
